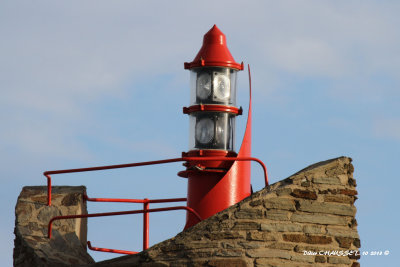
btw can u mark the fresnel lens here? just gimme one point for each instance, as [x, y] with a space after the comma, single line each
[213, 86]
[203, 90]
[213, 99]
[213, 112]
[221, 86]
[205, 131]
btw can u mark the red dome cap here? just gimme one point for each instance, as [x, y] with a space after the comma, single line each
[214, 52]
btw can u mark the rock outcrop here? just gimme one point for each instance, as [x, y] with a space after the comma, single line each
[67, 247]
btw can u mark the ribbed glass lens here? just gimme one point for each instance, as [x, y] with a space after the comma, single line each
[222, 86]
[222, 131]
[203, 89]
[204, 130]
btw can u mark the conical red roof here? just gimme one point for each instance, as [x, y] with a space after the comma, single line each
[214, 52]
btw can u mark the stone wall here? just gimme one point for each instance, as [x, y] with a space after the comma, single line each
[313, 210]
[32, 215]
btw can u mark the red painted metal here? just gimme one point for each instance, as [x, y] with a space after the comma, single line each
[146, 163]
[209, 193]
[105, 214]
[48, 188]
[125, 200]
[215, 108]
[206, 153]
[146, 224]
[110, 250]
[109, 167]
[146, 228]
[214, 52]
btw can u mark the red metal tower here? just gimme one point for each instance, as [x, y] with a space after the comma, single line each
[215, 185]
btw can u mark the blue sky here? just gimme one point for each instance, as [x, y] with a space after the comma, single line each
[98, 82]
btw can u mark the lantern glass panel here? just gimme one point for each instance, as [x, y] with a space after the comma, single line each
[204, 130]
[212, 130]
[203, 86]
[213, 85]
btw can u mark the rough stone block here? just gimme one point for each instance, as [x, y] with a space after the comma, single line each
[277, 215]
[281, 227]
[246, 225]
[279, 203]
[260, 236]
[339, 199]
[225, 235]
[307, 194]
[229, 253]
[226, 263]
[200, 245]
[352, 182]
[284, 191]
[320, 259]
[344, 242]
[339, 260]
[348, 192]
[270, 262]
[302, 258]
[68, 244]
[340, 231]
[270, 253]
[284, 246]
[314, 229]
[251, 245]
[256, 203]
[300, 248]
[249, 214]
[310, 239]
[326, 180]
[329, 208]
[357, 243]
[319, 219]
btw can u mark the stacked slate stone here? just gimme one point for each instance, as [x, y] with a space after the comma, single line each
[32, 215]
[307, 219]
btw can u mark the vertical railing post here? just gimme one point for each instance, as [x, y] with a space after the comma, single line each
[145, 224]
[48, 189]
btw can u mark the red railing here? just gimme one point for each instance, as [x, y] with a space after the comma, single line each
[109, 167]
[145, 212]
[145, 202]
[110, 250]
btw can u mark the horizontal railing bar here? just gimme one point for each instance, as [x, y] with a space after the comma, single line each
[126, 200]
[118, 166]
[48, 173]
[104, 214]
[111, 250]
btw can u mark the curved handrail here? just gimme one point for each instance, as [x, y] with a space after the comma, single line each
[145, 163]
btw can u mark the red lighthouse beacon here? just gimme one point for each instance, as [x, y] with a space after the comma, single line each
[219, 180]
[218, 177]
